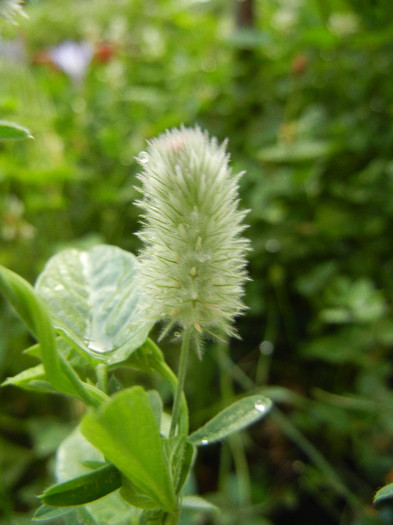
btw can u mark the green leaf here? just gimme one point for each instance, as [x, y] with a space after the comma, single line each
[35, 373]
[180, 454]
[72, 456]
[125, 430]
[175, 451]
[156, 405]
[135, 497]
[33, 311]
[186, 465]
[33, 350]
[233, 418]
[83, 517]
[198, 503]
[45, 513]
[384, 494]
[148, 357]
[12, 131]
[31, 379]
[94, 299]
[83, 489]
[76, 358]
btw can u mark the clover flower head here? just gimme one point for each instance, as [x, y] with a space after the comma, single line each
[193, 260]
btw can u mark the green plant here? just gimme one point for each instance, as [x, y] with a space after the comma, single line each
[91, 313]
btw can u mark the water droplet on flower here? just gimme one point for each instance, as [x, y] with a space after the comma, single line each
[143, 157]
[59, 287]
[258, 405]
[204, 441]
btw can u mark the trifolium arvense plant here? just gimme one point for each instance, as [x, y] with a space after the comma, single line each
[193, 260]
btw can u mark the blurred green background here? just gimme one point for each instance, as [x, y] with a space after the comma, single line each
[303, 91]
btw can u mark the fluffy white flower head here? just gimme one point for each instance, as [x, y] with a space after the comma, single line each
[194, 255]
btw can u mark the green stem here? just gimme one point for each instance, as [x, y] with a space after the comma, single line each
[162, 368]
[234, 442]
[102, 377]
[185, 350]
[79, 386]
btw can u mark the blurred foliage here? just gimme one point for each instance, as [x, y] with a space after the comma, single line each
[304, 94]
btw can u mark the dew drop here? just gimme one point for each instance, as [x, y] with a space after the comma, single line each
[204, 441]
[266, 348]
[59, 287]
[258, 405]
[143, 157]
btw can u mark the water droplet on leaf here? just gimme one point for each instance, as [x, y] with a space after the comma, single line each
[204, 441]
[261, 407]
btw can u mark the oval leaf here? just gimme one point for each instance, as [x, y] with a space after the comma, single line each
[45, 513]
[83, 489]
[384, 494]
[233, 418]
[198, 503]
[72, 458]
[12, 131]
[30, 379]
[126, 432]
[94, 300]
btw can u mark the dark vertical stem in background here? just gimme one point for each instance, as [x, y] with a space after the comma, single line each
[245, 13]
[245, 69]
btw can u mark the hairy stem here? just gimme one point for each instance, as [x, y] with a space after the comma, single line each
[185, 350]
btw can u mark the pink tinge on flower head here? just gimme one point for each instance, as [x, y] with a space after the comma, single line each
[176, 144]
